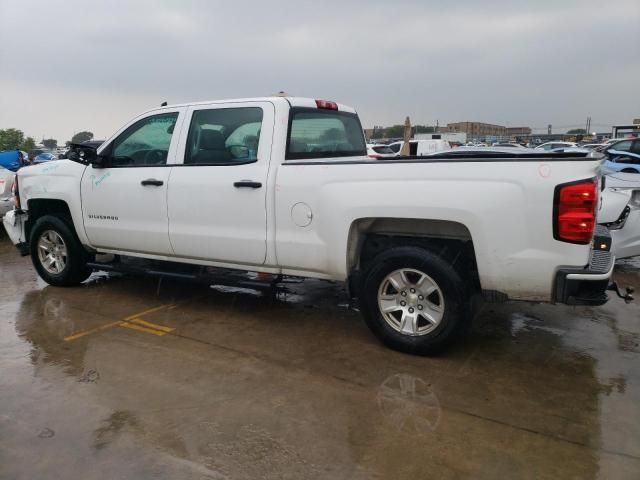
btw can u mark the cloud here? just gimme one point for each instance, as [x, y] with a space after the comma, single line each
[513, 62]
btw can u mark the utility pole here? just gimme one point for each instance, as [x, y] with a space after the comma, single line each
[588, 129]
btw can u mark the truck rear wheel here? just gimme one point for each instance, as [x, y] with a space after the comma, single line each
[414, 301]
[56, 253]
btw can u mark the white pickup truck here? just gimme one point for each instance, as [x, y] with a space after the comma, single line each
[284, 185]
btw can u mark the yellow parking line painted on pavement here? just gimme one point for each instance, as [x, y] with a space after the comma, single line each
[146, 312]
[163, 328]
[126, 322]
[90, 331]
[140, 328]
[155, 326]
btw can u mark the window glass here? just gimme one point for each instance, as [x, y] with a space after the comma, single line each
[395, 148]
[626, 159]
[324, 133]
[635, 148]
[146, 142]
[623, 146]
[384, 150]
[224, 136]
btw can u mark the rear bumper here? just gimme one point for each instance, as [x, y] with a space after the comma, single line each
[587, 286]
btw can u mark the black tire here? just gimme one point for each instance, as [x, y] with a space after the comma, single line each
[75, 270]
[455, 319]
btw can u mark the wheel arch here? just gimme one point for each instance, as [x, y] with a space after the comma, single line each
[452, 240]
[39, 207]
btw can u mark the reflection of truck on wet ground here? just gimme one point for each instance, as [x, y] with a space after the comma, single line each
[283, 185]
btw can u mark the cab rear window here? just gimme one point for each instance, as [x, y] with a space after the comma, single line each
[318, 133]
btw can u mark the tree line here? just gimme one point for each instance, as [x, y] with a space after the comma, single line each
[15, 139]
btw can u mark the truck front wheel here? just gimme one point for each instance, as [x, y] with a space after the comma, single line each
[56, 253]
[414, 301]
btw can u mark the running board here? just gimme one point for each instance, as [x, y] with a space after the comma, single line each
[229, 278]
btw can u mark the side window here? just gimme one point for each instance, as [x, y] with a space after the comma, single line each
[413, 148]
[224, 136]
[635, 148]
[395, 148]
[624, 146]
[146, 142]
[319, 133]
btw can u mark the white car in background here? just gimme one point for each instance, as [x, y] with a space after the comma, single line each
[375, 150]
[421, 147]
[6, 197]
[549, 146]
[620, 212]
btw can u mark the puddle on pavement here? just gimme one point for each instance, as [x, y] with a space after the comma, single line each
[293, 386]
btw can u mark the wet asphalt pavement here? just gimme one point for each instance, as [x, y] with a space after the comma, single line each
[139, 379]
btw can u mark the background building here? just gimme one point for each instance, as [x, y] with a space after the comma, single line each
[479, 129]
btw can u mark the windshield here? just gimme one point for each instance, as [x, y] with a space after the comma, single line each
[384, 150]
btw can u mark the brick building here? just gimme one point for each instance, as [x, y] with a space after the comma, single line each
[479, 129]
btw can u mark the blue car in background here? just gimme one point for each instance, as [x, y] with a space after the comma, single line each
[12, 159]
[45, 157]
[621, 161]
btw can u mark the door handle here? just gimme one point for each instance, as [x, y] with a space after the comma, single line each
[152, 181]
[247, 184]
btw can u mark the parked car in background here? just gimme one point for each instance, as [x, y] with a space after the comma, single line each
[6, 196]
[13, 159]
[621, 161]
[570, 149]
[498, 151]
[506, 144]
[554, 145]
[35, 152]
[591, 146]
[421, 147]
[622, 145]
[45, 157]
[379, 151]
[620, 212]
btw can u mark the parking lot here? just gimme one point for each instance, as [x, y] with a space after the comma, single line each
[141, 378]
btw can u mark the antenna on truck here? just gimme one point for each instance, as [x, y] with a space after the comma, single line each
[163, 104]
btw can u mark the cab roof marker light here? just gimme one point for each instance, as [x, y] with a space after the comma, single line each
[326, 104]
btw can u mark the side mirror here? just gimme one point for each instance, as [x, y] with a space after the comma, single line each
[81, 153]
[99, 161]
[87, 155]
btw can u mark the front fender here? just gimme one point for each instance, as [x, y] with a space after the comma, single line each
[56, 180]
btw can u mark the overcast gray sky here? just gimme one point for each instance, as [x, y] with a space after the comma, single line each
[74, 65]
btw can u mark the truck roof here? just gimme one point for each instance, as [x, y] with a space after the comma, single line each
[292, 101]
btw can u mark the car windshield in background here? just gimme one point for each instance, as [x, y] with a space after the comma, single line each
[316, 133]
[384, 150]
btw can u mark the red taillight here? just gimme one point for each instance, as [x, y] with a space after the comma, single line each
[326, 104]
[575, 211]
[373, 155]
